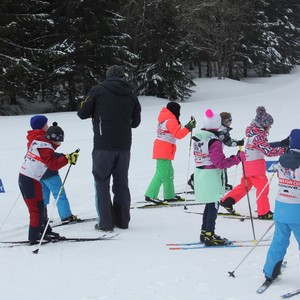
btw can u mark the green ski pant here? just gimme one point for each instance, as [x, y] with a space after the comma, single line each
[164, 175]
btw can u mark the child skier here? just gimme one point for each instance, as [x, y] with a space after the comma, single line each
[257, 146]
[164, 149]
[224, 135]
[40, 157]
[287, 207]
[51, 181]
[210, 162]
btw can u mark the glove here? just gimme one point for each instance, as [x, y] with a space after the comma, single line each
[241, 155]
[240, 143]
[285, 142]
[191, 124]
[72, 157]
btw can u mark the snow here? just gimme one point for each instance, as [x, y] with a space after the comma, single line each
[137, 264]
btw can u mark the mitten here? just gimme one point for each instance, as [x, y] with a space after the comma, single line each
[285, 142]
[241, 155]
[72, 157]
[240, 143]
[191, 124]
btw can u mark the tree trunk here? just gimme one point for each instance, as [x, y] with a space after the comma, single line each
[71, 93]
[219, 70]
[199, 69]
[12, 96]
[245, 71]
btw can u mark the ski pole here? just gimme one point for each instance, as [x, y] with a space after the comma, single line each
[188, 169]
[248, 198]
[231, 274]
[9, 212]
[268, 183]
[36, 251]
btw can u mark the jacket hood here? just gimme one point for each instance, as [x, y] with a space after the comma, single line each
[290, 160]
[165, 114]
[117, 85]
[204, 134]
[33, 134]
[38, 134]
[254, 129]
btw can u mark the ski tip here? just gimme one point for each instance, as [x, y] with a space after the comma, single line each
[36, 251]
[231, 274]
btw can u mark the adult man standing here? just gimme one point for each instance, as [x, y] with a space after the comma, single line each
[114, 110]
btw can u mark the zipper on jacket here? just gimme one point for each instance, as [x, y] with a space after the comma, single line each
[100, 125]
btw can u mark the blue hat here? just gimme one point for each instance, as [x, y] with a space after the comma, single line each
[38, 121]
[295, 139]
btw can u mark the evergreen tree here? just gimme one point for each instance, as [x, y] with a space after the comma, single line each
[159, 71]
[90, 39]
[214, 29]
[283, 16]
[271, 40]
[24, 27]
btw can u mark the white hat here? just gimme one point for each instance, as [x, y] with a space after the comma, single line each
[211, 120]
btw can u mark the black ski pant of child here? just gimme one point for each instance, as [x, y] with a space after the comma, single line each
[115, 164]
[31, 190]
[210, 216]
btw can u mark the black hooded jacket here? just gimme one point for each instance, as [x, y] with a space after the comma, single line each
[114, 110]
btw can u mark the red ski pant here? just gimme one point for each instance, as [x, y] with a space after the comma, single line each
[261, 183]
[31, 190]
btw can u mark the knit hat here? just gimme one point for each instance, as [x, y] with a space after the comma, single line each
[262, 118]
[212, 120]
[55, 133]
[115, 71]
[295, 139]
[226, 117]
[174, 108]
[38, 121]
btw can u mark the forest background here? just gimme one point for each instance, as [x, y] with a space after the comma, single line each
[52, 52]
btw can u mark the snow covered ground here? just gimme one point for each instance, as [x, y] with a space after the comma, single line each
[137, 264]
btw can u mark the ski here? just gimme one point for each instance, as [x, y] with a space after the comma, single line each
[236, 216]
[164, 204]
[243, 218]
[229, 214]
[267, 283]
[291, 294]
[200, 243]
[187, 192]
[264, 286]
[163, 201]
[11, 244]
[202, 246]
[83, 220]
[219, 214]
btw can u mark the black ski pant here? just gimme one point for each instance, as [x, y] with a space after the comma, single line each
[115, 164]
[210, 216]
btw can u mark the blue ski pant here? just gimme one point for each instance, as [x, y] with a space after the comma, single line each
[278, 247]
[53, 185]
